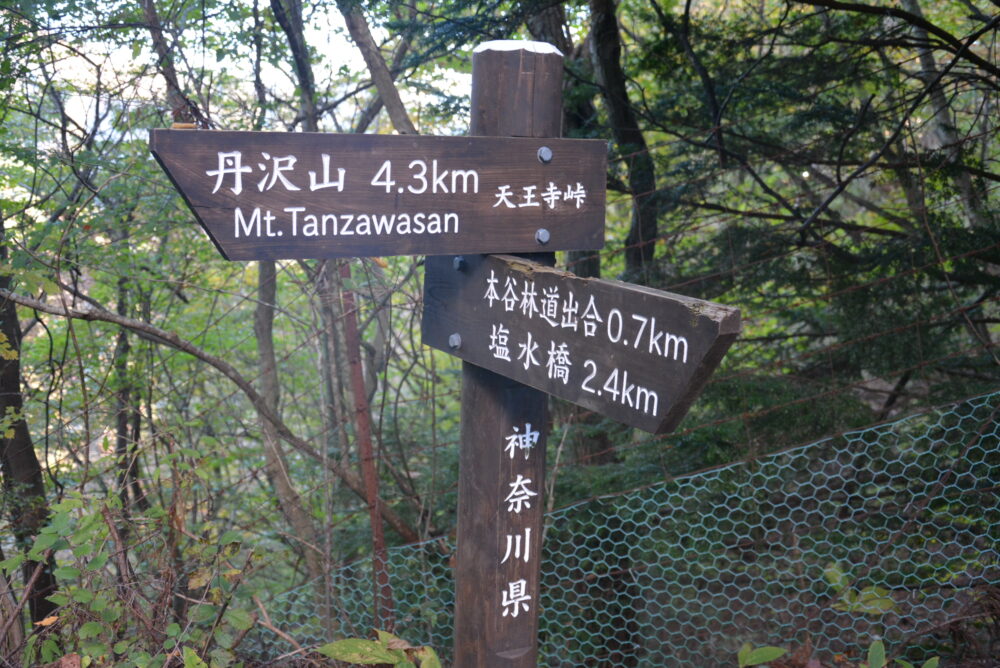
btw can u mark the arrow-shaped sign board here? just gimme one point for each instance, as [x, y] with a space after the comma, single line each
[632, 353]
[274, 195]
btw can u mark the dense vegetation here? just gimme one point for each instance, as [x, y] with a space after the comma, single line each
[180, 434]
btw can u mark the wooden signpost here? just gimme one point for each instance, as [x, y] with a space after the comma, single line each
[631, 353]
[276, 195]
[523, 329]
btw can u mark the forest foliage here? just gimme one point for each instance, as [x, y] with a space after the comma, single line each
[182, 437]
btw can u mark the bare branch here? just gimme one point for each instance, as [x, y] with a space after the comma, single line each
[350, 478]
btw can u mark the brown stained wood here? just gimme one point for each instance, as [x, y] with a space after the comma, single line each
[438, 195]
[494, 409]
[527, 108]
[515, 92]
[632, 353]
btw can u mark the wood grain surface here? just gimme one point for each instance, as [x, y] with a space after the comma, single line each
[632, 353]
[275, 195]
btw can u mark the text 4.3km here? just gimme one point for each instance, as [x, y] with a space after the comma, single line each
[432, 179]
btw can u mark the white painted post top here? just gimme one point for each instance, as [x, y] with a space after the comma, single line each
[517, 45]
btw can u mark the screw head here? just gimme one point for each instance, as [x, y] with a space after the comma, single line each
[545, 154]
[542, 236]
[458, 263]
[455, 341]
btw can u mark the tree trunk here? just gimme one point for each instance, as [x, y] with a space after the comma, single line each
[23, 483]
[606, 53]
[943, 125]
[384, 82]
[276, 462]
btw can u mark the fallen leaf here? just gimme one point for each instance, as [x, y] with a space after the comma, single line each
[399, 643]
[200, 578]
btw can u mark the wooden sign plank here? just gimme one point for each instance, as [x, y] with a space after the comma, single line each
[275, 195]
[632, 353]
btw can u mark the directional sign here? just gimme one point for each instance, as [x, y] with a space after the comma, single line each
[273, 195]
[635, 354]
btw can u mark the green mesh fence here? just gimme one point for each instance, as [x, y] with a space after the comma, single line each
[888, 532]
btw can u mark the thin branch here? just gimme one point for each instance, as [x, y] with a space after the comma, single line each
[863, 167]
[171, 339]
[959, 48]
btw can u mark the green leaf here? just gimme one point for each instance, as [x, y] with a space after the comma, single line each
[61, 523]
[111, 614]
[97, 562]
[90, 630]
[931, 662]
[83, 549]
[835, 575]
[58, 599]
[744, 654]
[239, 618]
[43, 542]
[359, 650]
[192, 660]
[222, 658]
[876, 655]
[69, 503]
[428, 658]
[200, 578]
[203, 612]
[66, 573]
[13, 563]
[904, 664]
[230, 537]
[763, 655]
[874, 601]
[83, 596]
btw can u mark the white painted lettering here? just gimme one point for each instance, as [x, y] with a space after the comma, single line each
[294, 210]
[364, 224]
[230, 164]
[310, 228]
[465, 175]
[268, 219]
[329, 218]
[403, 223]
[675, 341]
[327, 183]
[437, 181]
[434, 224]
[654, 339]
[384, 224]
[419, 176]
[249, 228]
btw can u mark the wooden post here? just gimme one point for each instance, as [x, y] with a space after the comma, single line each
[516, 91]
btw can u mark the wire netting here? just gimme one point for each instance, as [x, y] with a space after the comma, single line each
[888, 532]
